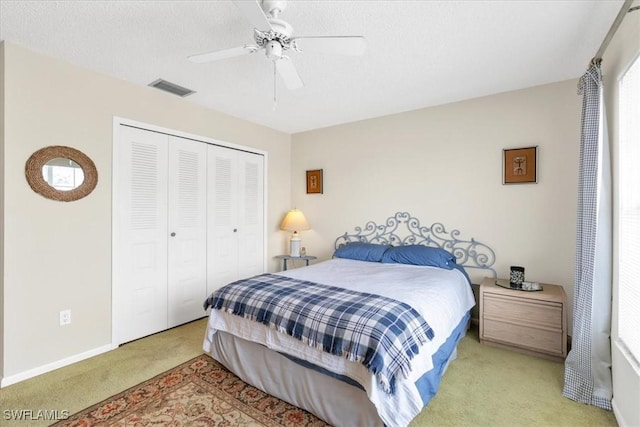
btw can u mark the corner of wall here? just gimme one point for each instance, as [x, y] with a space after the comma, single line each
[2, 156]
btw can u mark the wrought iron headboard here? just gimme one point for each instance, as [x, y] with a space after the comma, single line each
[404, 229]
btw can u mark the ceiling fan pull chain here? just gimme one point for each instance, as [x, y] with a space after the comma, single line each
[275, 102]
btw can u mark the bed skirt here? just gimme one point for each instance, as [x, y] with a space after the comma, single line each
[334, 401]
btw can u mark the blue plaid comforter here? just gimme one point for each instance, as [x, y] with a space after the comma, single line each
[379, 332]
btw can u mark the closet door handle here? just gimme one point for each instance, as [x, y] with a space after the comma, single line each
[235, 230]
[173, 234]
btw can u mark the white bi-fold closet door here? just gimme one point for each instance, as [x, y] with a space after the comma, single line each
[166, 204]
[160, 232]
[235, 226]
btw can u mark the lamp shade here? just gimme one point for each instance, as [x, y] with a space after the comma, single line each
[294, 221]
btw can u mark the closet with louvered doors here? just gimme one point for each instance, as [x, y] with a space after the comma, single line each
[188, 217]
[180, 206]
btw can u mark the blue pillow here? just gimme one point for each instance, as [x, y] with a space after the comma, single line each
[420, 255]
[361, 251]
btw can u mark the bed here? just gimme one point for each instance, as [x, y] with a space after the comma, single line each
[406, 291]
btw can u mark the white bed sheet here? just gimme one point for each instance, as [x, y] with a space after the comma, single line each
[441, 296]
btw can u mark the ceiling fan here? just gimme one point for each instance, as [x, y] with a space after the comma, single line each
[275, 36]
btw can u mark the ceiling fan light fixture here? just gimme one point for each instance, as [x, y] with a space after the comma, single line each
[273, 50]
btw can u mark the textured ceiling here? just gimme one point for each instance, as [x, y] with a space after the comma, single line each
[419, 53]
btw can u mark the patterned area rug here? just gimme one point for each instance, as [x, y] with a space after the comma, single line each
[200, 392]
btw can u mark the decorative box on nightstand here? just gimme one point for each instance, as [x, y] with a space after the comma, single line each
[530, 322]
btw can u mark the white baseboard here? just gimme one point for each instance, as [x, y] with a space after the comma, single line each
[12, 379]
[616, 412]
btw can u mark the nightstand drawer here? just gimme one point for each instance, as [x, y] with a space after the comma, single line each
[542, 340]
[523, 311]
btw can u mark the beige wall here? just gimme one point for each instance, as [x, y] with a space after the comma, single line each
[2, 347]
[444, 164]
[58, 255]
[624, 47]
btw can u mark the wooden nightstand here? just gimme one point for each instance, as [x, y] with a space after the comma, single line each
[529, 322]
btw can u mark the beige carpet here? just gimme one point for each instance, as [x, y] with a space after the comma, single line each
[486, 386]
[78, 386]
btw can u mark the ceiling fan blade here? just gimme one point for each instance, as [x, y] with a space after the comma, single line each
[223, 54]
[342, 45]
[289, 74]
[254, 13]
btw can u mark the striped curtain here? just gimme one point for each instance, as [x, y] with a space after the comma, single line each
[587, 377]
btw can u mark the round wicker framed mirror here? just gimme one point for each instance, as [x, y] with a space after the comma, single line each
[61, 173]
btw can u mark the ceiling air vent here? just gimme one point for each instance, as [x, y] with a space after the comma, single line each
[171, 88]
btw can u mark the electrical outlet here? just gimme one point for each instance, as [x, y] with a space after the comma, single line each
[65, 317]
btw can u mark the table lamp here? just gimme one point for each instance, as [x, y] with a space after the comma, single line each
[294, 221]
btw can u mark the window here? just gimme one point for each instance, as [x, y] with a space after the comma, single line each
[629, 212]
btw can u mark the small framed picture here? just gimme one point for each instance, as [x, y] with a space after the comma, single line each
[520, 165]
[314, 181]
